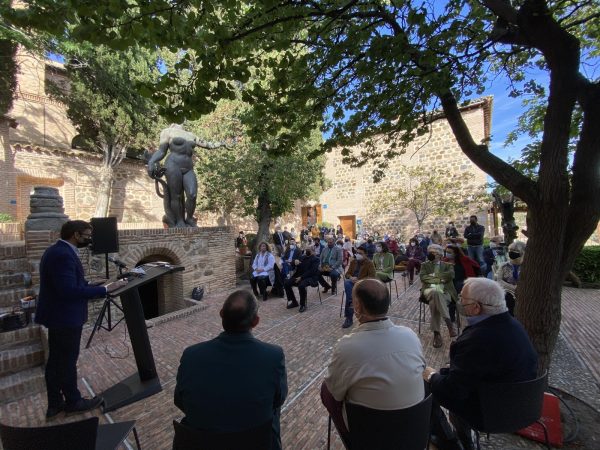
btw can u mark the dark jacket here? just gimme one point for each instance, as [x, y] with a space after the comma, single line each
[474, 234]
[308, 269]
[415, 252]
[297, 254]
[370, 250]
[64, 292]
[279, 240]
[495, 350]
[231, 383]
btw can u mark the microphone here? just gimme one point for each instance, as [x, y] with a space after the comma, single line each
[118, 262]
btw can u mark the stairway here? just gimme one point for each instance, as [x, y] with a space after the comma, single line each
[21, 351]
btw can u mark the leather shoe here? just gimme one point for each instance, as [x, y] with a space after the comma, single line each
[302, 308]
[83, 405]
[54, 411]
[326, 290]
[437, 340]
[347, 323]
[292, 305]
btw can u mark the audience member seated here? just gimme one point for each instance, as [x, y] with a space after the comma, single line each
[384, 262]
[317, 246]
[241, 244]
[331, 265]
[263, 274]
[415, 255]
[339, 232]
[360, 268]
[314, 231]
[392, 244]
[438, 291]
[306, 274]
[464, 267]
[494, 256]
[451, 231]
[345, 254]
[436, 238]
[378, 365]
[424, 241]
[493, 348]
[370, 246]
[292, 253]
[509, 272]
[233, 382]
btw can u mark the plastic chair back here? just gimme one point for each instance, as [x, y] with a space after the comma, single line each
[187, 438]
[79, 435]
[407, 428]
[508, 407]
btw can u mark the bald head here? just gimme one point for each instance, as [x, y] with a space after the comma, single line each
[373, 295]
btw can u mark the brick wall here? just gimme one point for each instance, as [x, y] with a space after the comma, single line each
[207, 254]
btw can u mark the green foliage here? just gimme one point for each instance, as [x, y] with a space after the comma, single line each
[8, 74]
[6, 218]
[102, 101]
[587, 264]
[233, 178]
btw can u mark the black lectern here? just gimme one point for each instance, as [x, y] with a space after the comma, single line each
[144, 383]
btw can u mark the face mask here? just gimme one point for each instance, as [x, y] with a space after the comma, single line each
[473, 222]
[86, 242]
[420, 239]
[378, 249]
[493, 245]
[340, 245]
[359, 257]
[450, 255]
[412, 244]
[292, 247]
[430, 256]
[514, 255]
[330, 245]
[461, 310]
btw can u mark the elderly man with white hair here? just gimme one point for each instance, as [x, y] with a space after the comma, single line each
[438, 291]
[508, 273]
[493, 348]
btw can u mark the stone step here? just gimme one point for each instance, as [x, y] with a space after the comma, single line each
[10, 297]
[12, 250]
[13, 265]
[22, 357]
[13, 280]
[28, 335]
[24, 383]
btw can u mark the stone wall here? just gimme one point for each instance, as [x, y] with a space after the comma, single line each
[206, 253]
[353, 191]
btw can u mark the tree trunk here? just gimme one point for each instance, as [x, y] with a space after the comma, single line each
[264, 216]
[104, 191]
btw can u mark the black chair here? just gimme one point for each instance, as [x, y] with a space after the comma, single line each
[423, 307]
[509, 407]
[82, 435]
[406, 428]
[187, 438]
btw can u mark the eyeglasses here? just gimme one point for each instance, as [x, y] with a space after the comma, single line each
[473, 301]
[86, 235]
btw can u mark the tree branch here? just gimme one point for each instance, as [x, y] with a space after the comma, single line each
[502, 172]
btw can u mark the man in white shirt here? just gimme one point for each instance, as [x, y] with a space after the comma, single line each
[263, 274]
[378, 365]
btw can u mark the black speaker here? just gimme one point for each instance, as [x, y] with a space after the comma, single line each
[105, 237]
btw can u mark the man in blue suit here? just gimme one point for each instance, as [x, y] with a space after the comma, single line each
[62, 308]
[234, 382]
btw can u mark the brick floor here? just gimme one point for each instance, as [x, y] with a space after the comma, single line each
[307, 339]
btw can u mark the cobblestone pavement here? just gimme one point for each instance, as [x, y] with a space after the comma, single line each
[308, 340]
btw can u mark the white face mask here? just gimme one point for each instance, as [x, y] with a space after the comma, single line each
[412, 244]
[292, 247]
[378, 249]
[359, 257]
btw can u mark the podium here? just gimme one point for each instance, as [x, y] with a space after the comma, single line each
[145, 382]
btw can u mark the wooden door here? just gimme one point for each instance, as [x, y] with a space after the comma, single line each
[348, 224]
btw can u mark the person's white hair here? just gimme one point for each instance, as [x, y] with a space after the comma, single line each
[488, 293]
[435, 248]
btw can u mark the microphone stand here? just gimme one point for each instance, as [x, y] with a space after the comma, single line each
[106, 309]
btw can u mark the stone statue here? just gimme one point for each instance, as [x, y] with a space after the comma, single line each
[181, 188]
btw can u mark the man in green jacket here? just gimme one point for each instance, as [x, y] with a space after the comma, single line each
[438, 291]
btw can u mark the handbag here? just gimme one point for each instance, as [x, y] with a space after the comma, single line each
[198, 293]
